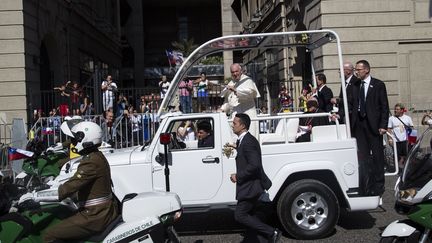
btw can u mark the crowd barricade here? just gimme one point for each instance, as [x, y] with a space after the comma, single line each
[5, 132]
[125, 131]
[132, 130]
[47, 129]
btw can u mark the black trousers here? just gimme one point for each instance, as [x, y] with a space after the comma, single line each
[245, 215]
[371, 159]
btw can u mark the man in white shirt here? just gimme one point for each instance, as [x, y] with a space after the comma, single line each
[398, 125]
[163, 86]
[108, 88]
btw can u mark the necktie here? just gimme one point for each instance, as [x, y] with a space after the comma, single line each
[237, 143]
[362, 100]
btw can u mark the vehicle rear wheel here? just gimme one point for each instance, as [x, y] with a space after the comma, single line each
[308, 209]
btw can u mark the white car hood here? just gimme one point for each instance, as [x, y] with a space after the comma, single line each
[126, 156]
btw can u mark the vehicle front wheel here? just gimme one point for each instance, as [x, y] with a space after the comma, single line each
[308, 209]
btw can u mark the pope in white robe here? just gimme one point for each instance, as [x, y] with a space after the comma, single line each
[240, 95]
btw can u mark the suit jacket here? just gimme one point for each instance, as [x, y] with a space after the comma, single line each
[251, 178]
[312, 121]
[377, 107]
[207, 142]
[324, 97]
[348, 88]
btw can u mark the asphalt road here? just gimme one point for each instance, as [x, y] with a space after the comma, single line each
[352, 226]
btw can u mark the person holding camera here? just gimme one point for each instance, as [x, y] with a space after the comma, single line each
[109, 87]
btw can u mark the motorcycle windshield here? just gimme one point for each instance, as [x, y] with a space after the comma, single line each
[418, 168]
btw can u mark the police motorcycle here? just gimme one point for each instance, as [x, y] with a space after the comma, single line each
[45, 163]
[413, 192]
[42, 167]
[144, 217]
[37, 170]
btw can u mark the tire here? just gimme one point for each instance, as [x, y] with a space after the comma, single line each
[308, 209]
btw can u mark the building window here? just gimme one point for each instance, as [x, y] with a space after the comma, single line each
[183, 28]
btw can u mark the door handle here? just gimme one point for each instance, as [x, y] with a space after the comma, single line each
[209, 159]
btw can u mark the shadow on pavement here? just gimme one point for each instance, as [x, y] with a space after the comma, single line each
[356, 220]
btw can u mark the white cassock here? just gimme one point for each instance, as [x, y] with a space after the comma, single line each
[243, 101]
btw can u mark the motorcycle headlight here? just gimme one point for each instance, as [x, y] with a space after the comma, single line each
[171, 218]
[407, 195]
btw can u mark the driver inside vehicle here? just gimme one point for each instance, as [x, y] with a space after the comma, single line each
[92, 186]
[205, 135]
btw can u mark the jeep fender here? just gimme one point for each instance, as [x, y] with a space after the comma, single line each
[291, 168]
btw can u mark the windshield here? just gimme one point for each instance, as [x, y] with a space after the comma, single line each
[418, 169]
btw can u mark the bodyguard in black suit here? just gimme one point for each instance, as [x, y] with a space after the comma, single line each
[350, 79]
[250, 178]
[369, 113]
[324, 94]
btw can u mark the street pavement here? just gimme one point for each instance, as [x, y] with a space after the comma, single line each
[352, 226]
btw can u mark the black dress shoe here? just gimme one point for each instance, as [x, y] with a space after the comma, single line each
[276, 236]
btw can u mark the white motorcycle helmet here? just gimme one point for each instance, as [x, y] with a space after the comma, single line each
[85, 136]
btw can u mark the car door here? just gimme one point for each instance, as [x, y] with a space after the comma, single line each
[195, 172]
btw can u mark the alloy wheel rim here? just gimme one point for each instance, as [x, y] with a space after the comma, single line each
[309, 211]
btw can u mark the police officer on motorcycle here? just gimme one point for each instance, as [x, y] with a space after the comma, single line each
[91, 184]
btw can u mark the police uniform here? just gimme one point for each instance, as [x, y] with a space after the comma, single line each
[92, 183]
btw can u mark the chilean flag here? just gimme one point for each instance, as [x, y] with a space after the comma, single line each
[15, 153]
[47, 131]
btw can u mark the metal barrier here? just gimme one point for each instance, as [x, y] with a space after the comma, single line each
[47, 129]
[125, 131]
[5, 132]
[133, 129]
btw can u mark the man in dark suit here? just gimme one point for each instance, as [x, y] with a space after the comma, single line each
[350, 79]
[324, 94]
[250, 178]
[308, 122]
[205, 135]
[369, 113]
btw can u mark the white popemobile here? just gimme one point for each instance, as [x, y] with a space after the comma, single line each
[312, 181]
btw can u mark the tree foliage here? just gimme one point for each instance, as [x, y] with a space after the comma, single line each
[184, 46]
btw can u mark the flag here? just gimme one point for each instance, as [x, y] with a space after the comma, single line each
[178, 57]
[171, 59]
[47, 131]
[174, 57]
[15, 153]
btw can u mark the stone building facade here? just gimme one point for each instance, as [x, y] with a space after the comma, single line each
[395, 36]
[45, 43]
